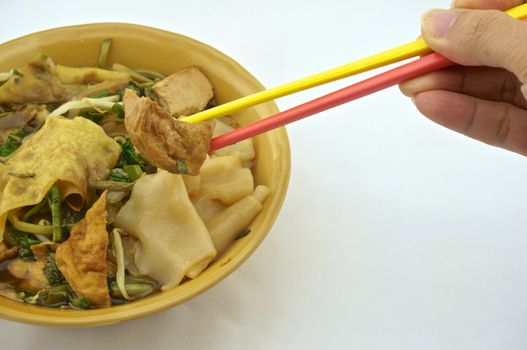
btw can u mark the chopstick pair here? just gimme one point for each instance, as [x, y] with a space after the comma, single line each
[428, 63]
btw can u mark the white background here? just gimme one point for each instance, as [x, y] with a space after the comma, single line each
[395, 234]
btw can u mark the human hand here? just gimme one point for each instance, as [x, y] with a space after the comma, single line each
[486, 103]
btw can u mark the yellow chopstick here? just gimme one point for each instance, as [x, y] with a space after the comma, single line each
[415, 48]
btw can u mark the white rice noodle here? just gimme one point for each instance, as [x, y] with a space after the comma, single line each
[119, 255]
[102, 105]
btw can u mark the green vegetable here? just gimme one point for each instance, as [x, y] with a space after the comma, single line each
[29, 297]
[24, 240]
[181, 167]
[9, 146]
[133, 86]
[91, 114]
[148, 90]
[52, 272]
[56, 213]
[80, 303]
[129, 155]
[20, 134]
[13, 142]
[134, 172]
[55, 295]
[136, 287]
[119, 175]
[119, 110]
[44, 57]
[103, 54]
[35, 210]
[102, 93]
[243, 234]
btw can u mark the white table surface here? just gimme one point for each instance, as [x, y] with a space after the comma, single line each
[395, 234]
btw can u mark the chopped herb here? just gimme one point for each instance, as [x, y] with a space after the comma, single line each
[21, 133]
[91, 114]
[134, 172]
[4, 114]
[80, 303]
[243, 233]
[25, 240]
[136, 87]
[119, 175]
[129, 155]
[52, 272]
[56, 213]
[181, 167]
[44, 57]
[13, 142]
[148, 90]
[55, 295]
[119, 110]
[102, 93]
[9, 147]
[25, 175]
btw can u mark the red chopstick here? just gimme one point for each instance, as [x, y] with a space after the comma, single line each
[426, 64]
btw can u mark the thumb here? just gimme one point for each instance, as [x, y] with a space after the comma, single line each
[478, 38]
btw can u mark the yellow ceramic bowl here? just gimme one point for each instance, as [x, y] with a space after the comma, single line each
[143, 47]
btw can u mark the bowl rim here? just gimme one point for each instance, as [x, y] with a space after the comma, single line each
[116, 315]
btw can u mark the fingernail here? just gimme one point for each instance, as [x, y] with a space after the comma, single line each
[437, 22]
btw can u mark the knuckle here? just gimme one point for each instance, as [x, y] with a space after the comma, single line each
[516, 53]
[503, 129]
[477, 30]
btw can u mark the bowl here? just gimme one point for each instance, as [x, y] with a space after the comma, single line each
[143, 47]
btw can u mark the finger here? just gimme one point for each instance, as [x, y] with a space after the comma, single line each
[486, 4]
[481, 82]
[496, 123]
[478, 38]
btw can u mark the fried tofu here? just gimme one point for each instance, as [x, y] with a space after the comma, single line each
[183, 93]
[30, 272]
[8, 253]
[168, 143]
[82, 258]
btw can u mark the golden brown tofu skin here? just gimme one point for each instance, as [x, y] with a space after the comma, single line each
[30, 272]
[183, 93]
[8, 253]
[42, 250]
[170, 144]
[82, 258]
